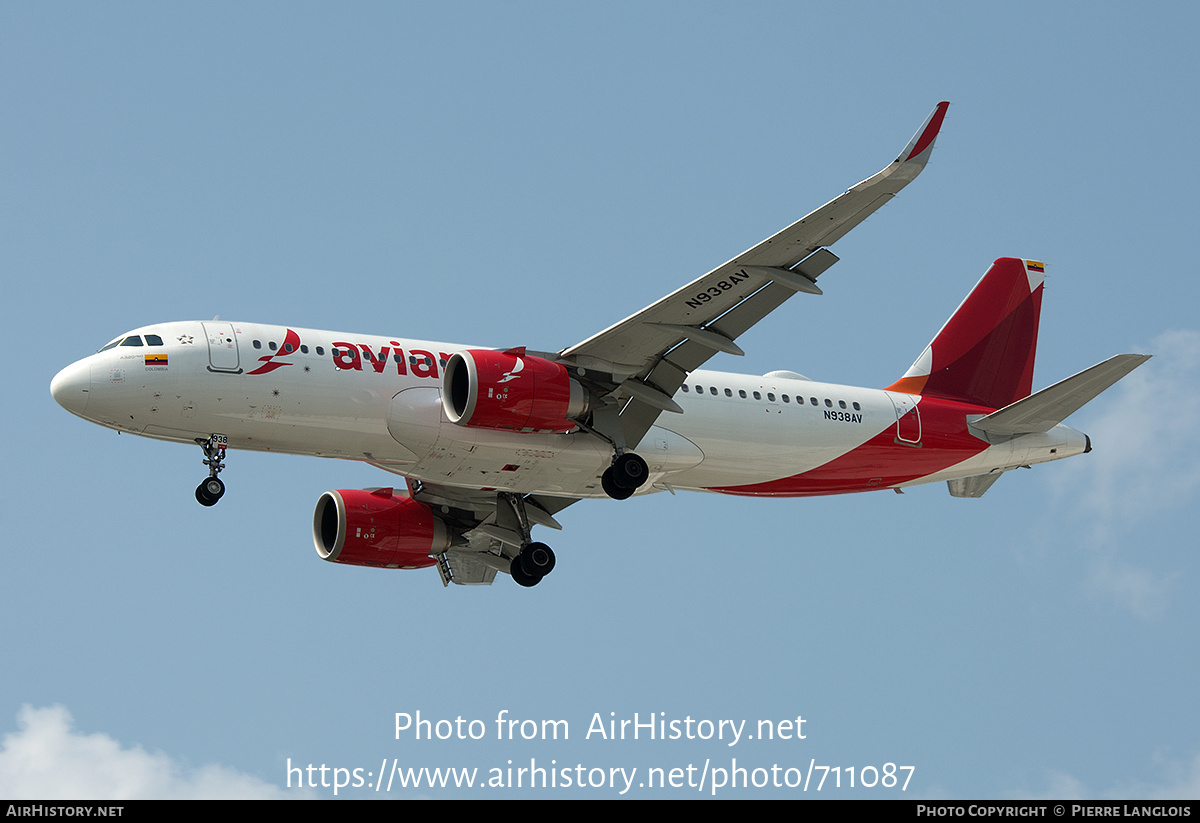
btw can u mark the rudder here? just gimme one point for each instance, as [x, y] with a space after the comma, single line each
[985, 352]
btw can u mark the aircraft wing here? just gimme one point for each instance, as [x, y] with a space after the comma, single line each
[649, 354]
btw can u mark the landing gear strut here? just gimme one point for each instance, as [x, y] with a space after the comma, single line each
[626, 475]
[534, 560]
[211, 489]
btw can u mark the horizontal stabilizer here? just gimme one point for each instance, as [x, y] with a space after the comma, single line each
[972, 486]
[1044, 410]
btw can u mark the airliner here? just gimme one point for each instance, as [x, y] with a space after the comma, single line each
[494, 442]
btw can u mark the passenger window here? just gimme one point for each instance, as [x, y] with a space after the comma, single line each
[685, 388]
[271, 345]
[320, 351]
[303, 349]
[729, 392]
[857, 407]
[828, 402]
[712, 390]
[813, 400]
[287, 347]
[842, 404]
[757, 396]
[742, 393]
[771, 396]
[258, 344]
[785, 399]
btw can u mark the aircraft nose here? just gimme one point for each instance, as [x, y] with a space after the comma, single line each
[70, 387]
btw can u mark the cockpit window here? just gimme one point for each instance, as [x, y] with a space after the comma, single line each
[109, 346]
[132, 340]
[153, 340]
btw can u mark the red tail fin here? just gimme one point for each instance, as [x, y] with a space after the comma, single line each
[984, 354]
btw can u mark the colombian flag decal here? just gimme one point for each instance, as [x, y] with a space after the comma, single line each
[156, 360]
[1034, 265]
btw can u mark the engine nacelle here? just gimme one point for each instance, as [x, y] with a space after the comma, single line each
[377, 528]
[512, 391]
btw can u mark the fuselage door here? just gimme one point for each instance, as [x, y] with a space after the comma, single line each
[908, 419]
[222, 347]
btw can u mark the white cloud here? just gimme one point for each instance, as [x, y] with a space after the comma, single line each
[1178, 781]
[1138, 590]
[1182, 781]
[47, 758]
[1062, 787]
[1146, 440]
[1145, 465]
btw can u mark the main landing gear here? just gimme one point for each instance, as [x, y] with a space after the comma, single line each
[534, 560]
[628, 471]
[212, 489]
[626, 475]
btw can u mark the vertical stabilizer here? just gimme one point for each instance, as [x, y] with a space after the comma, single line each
[985, 352]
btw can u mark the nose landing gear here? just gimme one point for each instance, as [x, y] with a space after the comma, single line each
[212, 489]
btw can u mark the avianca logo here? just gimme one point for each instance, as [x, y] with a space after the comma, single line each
[291, 345]
[514, 374]
[352, 356]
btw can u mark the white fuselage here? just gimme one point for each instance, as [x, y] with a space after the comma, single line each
[382, 405]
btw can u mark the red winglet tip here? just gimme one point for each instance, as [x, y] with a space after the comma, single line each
[931, 130]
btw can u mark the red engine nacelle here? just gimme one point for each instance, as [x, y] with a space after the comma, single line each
[510, 390]
[377, 528]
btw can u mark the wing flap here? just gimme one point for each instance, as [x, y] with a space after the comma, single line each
[672, 370]
[975, 486]
[465, 569]
[486, 534]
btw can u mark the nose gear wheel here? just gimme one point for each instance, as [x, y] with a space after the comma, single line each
[211, 489]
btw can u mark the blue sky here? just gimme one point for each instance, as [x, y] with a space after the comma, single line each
[526, 174]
